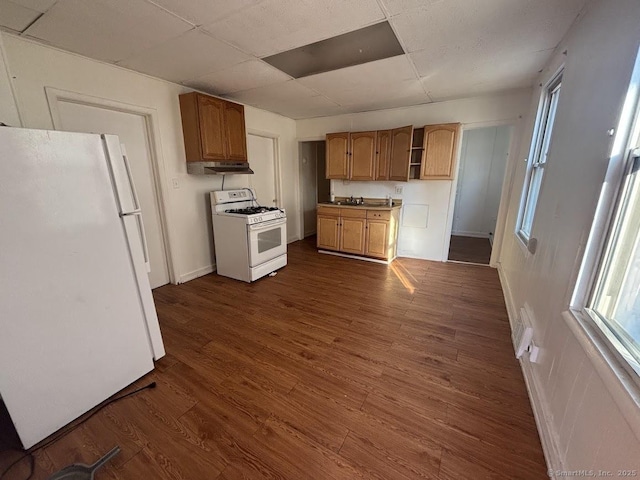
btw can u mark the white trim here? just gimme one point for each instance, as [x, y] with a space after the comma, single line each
[469, 263]
[356, 257]
[618, 381]
[276, 159]
[54, 96]
[5, 61]
[186, 277]
[470, 234]
[541, 414]
[452, 200]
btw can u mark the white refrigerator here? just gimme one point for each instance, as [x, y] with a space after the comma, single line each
[77, 319]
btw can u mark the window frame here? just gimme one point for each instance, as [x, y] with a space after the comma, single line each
[537, 160]
[620, 360]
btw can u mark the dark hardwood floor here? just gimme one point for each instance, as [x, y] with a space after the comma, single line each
[333, 369]
[470, 249]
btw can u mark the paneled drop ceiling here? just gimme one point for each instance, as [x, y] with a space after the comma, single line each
[452, 48]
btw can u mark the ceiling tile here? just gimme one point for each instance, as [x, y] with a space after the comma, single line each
[394, 7]
[188, 56]
[400, 98]
[107, 30]
[289, 99]
[37, 5]
[244, 76]
[473, 75]
[201, 12]
[381, 80]
[534, 24]
[16, 17]
[273, 26]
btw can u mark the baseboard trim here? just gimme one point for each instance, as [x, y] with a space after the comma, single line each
[197, 273]
[356, 257]
[471, 234]
[548, 435]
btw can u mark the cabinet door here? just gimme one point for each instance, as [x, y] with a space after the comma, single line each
[235, 132]
[328, 235]
[337, 155]
[212, 132]
[363, 152]
[352, 235]
[440, 142]
[383, 155]
[377, 238]
[400, 153]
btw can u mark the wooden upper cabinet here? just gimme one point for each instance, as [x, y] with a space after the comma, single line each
[211, 124]
[383, 155]
[235, 132]
[401, 139]
[213, 129]
[337, 155]
[363, 153]
[439, 155]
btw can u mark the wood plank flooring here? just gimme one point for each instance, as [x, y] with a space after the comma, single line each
[470, 249]
[333, 369]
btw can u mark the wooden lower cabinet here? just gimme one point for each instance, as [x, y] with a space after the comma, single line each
[352, 235]
[328, 232]
[357, 231]
[377, 235]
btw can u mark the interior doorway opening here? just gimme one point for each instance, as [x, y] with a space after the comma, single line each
[483, 160]
[314, 186]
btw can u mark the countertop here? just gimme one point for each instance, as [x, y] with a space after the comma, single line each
[364, 206]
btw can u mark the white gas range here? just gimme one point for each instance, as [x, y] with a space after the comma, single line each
[250, 240]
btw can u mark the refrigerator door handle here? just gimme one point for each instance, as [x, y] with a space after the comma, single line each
[143, 238]
[132, 185]
[137, 211]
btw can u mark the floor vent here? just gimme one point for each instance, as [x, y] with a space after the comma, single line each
[522, 334]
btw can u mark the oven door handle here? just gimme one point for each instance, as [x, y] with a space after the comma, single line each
[268, 223]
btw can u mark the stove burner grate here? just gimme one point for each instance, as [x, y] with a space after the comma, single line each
[251, 210]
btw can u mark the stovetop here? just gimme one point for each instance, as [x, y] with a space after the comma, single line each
[251, 210]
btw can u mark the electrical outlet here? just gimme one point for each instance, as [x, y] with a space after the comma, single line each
[398, 189]
[174, 182]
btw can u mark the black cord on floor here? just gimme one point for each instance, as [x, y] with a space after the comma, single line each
[29, 452]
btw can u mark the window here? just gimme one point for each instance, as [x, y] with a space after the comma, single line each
[538, 156]
[608, 286]
[615, 301]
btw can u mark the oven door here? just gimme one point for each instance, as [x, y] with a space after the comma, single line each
[267, 240]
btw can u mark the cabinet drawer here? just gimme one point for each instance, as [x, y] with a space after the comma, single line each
[379, 214]
[329, 211]
[353, 212]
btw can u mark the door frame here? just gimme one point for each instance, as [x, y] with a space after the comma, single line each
[276, 158]
[299, 192]
[505, 193]
[149, 115]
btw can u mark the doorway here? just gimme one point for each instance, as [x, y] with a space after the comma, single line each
[483, 159]
[314, 186]
[132, 130]
[261, 152]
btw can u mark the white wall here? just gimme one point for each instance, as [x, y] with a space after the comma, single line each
[432, 242]
[8, 110]
[35, 67]
[585, 425]
[483, 159]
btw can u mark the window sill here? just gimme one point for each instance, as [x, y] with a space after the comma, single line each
[523, 243]
[621, 385]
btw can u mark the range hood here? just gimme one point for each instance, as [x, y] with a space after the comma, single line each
[219, 168]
